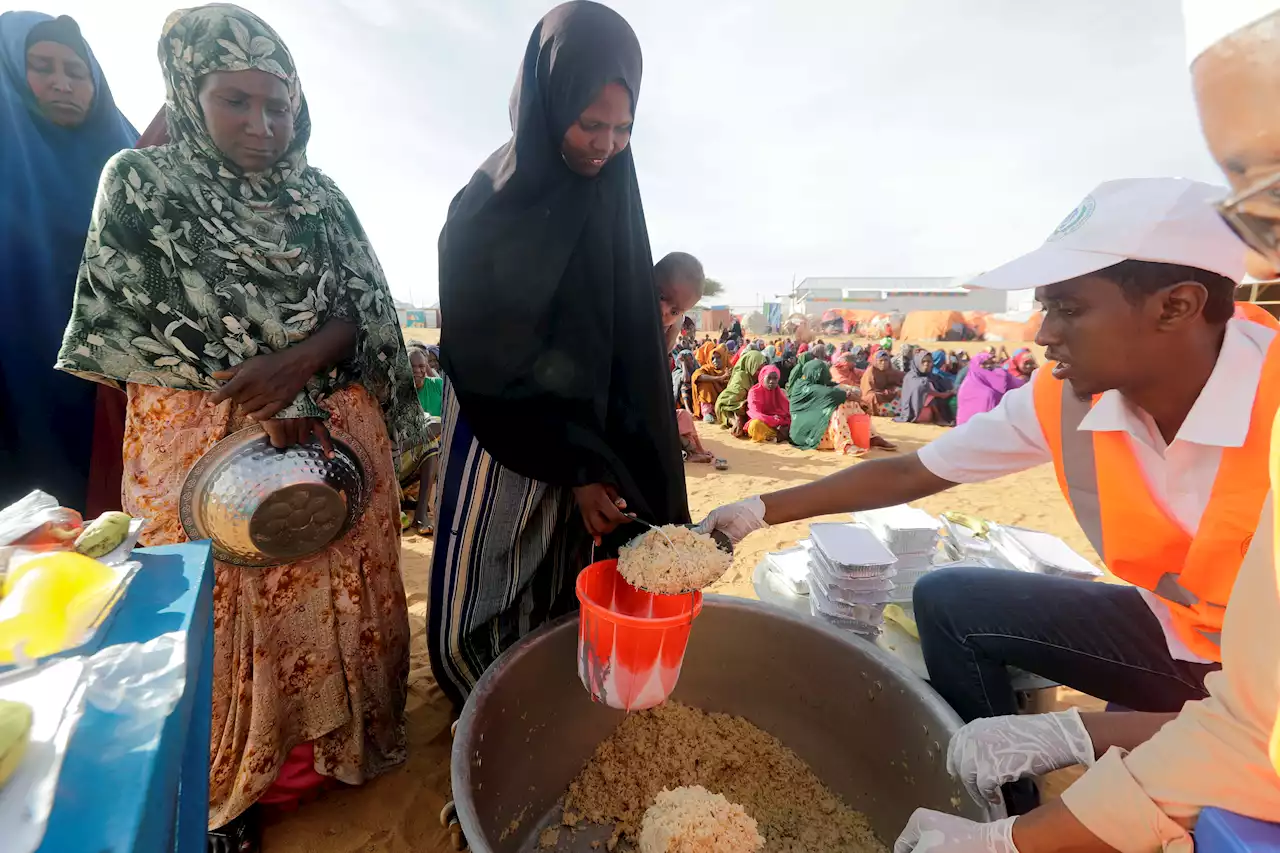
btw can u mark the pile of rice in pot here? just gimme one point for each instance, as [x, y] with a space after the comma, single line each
[691, 560]
[694, 820]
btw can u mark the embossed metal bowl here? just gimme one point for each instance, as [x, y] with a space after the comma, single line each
[262, 506]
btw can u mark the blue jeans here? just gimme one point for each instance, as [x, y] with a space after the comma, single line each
[1100, 639]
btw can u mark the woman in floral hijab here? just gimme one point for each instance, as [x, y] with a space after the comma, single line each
[225, 282]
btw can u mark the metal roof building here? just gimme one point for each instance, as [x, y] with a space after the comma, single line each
[814, 295]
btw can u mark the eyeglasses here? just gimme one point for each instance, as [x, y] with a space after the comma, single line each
[1254, 215]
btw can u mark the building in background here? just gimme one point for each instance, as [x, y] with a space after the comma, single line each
[812, 296]
[412, 317]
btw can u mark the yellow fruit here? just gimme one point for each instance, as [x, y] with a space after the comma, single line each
[979, 527]
[895, 613]
[75, 571]
[33, 617]
[49, 601]
[83, 610]
[102, 535]
[15, 734]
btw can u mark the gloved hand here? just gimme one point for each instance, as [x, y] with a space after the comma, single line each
[945, 833]
[735, 520]
[989, 752]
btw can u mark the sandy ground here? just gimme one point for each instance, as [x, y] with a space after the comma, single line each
[399, 812]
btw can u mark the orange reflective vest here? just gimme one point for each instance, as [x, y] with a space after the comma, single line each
[1136, 537]
[1275, 487]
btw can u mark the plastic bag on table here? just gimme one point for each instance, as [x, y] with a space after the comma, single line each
[140, 683]
[38, 523]
[55, 695]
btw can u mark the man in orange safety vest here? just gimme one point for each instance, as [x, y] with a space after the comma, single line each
[1156, 412]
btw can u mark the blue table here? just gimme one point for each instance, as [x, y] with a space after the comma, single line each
[152, 799]
[1223, 832]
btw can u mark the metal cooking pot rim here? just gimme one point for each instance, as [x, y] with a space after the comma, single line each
[460, 763]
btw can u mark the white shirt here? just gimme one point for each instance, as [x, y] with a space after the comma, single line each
[1179, 475]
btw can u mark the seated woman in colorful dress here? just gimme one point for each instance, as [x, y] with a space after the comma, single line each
[821, 413]
[731, 405]
[1020, 366]
[767, 407]
[797, 369]
[925, 394]
[845, 371]
[682, 380]
[983, 387]
[710, 379]
[944, 374]
[882, 386]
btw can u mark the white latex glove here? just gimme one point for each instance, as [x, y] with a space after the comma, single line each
[735, 520]
[989, 752]
[934, 831]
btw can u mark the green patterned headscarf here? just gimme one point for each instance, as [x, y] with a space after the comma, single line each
[193, 265]
[813, 400]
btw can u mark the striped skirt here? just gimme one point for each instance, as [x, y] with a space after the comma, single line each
[507, 553]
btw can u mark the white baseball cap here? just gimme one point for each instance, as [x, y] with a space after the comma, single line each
[1164, 220]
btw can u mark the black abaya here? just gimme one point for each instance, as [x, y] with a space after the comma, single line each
[551, 334]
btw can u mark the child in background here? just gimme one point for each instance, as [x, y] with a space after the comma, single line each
[679, 278]
[430, 385]
[427, 380]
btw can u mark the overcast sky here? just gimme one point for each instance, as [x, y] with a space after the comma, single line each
[774, 138]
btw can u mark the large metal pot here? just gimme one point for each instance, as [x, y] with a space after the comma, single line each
[870, 729]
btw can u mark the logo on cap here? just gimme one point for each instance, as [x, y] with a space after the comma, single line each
[1074, 219]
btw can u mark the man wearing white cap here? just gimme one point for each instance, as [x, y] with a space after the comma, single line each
[1153, 419]
[1224, 750]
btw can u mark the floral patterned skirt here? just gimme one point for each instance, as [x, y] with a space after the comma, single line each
[838, 436]
[315, 651]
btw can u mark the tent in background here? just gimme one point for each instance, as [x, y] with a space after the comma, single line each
[1018, 327]
[715, 318]
[977, 320]
[851, 319]
[929, 325]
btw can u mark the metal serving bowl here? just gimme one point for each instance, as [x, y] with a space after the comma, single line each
[871, 730]
[263, 506]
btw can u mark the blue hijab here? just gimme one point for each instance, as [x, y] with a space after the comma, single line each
[939, 358]
[48, 181]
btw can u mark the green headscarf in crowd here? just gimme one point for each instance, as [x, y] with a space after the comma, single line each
[193, 265]
[801, 360]
[734, 395]
[813, 401]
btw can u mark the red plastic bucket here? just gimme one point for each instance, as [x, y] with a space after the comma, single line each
[630, 642]
[860, 430]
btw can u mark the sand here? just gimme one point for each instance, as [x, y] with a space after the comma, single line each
[398, 812]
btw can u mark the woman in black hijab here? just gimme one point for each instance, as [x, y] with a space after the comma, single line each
[557, 402]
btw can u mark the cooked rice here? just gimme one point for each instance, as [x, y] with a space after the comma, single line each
[674, 745]
[690, 561]
[694, 820]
